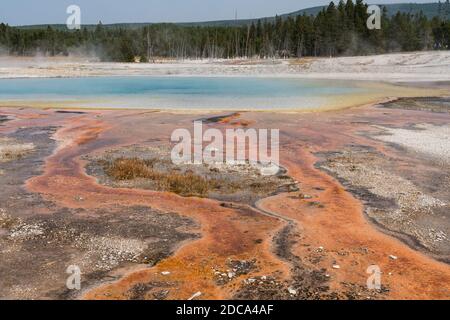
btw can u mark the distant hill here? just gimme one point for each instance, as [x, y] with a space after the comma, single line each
[429, 9]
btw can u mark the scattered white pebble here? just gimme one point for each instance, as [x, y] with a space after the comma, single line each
[292, 291]
[195, 295]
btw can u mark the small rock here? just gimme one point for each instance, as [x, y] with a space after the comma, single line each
[292, 291]
[165, 273]
[336, 266]
[392, 257]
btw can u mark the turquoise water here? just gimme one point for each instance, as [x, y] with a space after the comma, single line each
[177, 92]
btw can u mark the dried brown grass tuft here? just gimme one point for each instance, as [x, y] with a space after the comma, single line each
[185, 184]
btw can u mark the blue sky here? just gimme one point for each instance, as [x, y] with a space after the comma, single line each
[19, 12]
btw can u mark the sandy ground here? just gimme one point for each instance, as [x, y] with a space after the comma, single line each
[402, 67]
[313, 243]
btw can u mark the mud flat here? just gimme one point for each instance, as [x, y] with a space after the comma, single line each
[39, 239]
[392, 200]
[239, 187]
[407, 193]
[359, 190]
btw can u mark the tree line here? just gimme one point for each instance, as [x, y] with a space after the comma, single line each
[339, 29]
